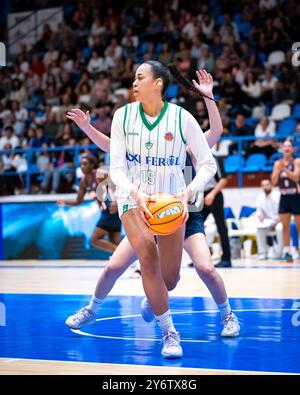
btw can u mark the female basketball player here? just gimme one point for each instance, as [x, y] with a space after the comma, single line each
[286, 174]
[195, 241]
[109, 223]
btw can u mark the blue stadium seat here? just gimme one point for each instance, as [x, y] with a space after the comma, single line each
[287, 126]
[254, 162]
[246, 211]
[296, 111]
[172, 91]
[228, 213]
[86, 52]
[244, 28]
[270, 162]
[158, 48]
[233, 162]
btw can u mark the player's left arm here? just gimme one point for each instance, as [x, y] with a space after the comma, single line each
[294, 175]
[205, 86]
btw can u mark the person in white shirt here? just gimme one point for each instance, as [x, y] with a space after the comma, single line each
[95, 64]
[9, 138]
[267, 205]
[267, 146]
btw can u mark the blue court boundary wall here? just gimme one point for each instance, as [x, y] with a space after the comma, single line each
[33, 170]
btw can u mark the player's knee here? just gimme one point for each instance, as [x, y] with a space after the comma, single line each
[208, 272]
[110, 272]
[172, 282]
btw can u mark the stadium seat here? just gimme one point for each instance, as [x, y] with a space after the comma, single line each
[270, 162]
[254, 162]
[296, 111]
[246, 211]
[287, 126]
[232, 163]
[276, 58]
[172, 91]
[244, 28]
[280, 111]
[228, 213]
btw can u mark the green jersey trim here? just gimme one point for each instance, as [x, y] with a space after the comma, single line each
[180, 126]
[151, 126]
[124, 120]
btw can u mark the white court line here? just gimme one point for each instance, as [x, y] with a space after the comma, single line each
[79, 332]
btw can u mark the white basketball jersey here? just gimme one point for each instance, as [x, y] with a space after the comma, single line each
[155, 152]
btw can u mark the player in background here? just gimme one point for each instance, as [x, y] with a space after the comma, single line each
[286, 174]
[109, 223]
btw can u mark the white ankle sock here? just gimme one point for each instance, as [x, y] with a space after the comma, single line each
[165, 322]
[224, 308]
[286, 250]
[95, 304]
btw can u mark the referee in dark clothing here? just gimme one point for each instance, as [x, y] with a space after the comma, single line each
[214, 203]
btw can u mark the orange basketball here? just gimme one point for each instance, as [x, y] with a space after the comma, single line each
[167, 214]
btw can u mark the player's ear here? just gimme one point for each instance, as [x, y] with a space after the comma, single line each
[159, 82]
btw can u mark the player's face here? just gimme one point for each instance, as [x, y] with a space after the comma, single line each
[287, 148]
[85, 166]
[144, 83]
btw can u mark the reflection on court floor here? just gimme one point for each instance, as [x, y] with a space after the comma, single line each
[269, 341]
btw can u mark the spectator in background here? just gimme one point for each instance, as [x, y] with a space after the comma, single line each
[268, 85]
[206, 61]
[84, 94]
[265, 128]
[239, 128]
[267, 205]
[9, 138]
[229, 88]
[51, 55]
[166, 55]
[286, 86]
[18, 92]
[95, 64]
[251, 90]
[63, 168]
[103, 120]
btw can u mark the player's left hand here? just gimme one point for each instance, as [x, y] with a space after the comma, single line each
[103, 206]
[113, 208]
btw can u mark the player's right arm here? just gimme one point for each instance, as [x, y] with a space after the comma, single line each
[83, 121]
[79, 199]
[118, 165]
[276, 172]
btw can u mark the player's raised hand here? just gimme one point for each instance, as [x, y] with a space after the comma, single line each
[81, 118]
[205, 83]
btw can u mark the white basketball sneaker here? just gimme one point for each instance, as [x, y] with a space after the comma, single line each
[83, 317]
[172, 348]
[231, 326]
[146, 311]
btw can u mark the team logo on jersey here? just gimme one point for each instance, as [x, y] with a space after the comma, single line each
[169, 136]
[154, 160]
[149, 145]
